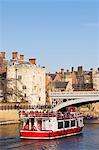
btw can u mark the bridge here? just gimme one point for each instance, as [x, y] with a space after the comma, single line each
[62, 99]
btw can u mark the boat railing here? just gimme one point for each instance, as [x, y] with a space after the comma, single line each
[59, 115]
[69, 116]
[38, 114]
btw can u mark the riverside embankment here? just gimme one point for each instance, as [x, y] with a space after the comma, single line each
[9, 116]
[9, 112]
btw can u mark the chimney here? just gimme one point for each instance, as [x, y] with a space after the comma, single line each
[22, 57]
[67, 70]
[32, 61]
[43, 66]
[91, 69]
[3, 55]
[72, 69]
[15, 55]
[62, 71]
[80, 69]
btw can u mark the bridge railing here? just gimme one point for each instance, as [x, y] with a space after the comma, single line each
[22, 106]
[96, 93]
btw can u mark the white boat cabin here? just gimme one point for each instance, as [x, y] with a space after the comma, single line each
[53, 123]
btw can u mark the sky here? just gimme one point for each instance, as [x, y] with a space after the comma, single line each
[58, 33]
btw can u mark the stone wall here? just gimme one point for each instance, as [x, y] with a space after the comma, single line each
[9, 115]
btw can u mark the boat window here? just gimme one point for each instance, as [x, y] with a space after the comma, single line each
[60, 125]
[72, 123]
[32, 121]
[66, 124]
[81, 121]
[27, 122]
[77, 123]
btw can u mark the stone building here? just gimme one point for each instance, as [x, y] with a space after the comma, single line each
[60, 76]
[95, 77]
[81, 79]
[25, 81]
[68, 76]
[88, 82]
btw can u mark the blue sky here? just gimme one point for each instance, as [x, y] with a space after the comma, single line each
[58, 33]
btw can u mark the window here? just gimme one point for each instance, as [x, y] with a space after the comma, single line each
[32, 121]
[33, 77]
[25, 95]
[19, 77]
[81, 121]
[39, 89]
[39, 98]
[24, 86]
[60, 125]
[66, 124]
[72, 123]
[34, 87]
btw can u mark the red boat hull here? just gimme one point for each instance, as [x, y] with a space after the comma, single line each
[49, 134]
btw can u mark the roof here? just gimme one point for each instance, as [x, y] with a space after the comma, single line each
[52, 76]
[60, 84]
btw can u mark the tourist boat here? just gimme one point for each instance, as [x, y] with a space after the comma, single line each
[50, 125]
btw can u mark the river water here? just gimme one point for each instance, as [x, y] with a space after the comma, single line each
[88, 140]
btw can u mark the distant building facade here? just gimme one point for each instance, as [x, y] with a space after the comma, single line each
[95, 77]
[59, 81]
[82, 80]
[79, 80]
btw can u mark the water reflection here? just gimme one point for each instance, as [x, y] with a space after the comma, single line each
[7, 131]
[56, 144]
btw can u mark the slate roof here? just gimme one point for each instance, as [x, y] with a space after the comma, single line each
[60, 84]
